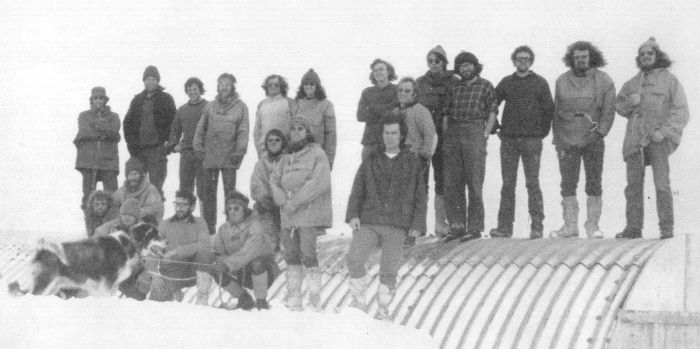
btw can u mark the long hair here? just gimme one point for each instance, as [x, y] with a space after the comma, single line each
[390, 118]
[389, 68]
[662, 60]
[199, 83]
[319, 94]
[523, 48]
[284, 87]
[596, 56]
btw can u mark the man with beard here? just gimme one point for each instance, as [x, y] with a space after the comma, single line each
[182, 133]
[221, 140]
[387, 203]
[100, 209]
[96, 142]
[375, 101]
[584, 113]
[526, 119]
[654, 103]
[147, 127]
[471, 115]
[432, 90]
[137, 186]
[189, 251]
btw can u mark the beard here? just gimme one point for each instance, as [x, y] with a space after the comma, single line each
[296, 146]
[467, 76]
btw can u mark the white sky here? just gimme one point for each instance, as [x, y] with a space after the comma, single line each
[53, 53]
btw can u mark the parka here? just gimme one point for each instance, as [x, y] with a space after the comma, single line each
[97, 140]
[240, 244]
[320, 116]
[151, 202]
[163, 113]
[222, 133]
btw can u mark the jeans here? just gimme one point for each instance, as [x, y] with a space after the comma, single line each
[300, 246]
[155, 163]
[90, 179]
[655, 154]
[191, 172]
[465, 165]
[438, 168]
[365, 240]
[570, 168]
[210, 187]
[512, 150]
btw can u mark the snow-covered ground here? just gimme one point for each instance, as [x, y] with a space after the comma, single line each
[49, 322]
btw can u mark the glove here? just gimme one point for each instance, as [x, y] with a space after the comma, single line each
[236, 161]
[219, 267]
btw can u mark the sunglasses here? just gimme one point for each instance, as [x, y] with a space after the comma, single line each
[273, 84]
[523, 59]
[274, 140]
[309, 84]
[405, 90]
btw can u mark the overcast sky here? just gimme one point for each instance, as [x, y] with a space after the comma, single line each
[53, 53]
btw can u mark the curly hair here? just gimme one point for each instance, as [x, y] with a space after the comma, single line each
[284, 87]
[662, 60]
[596, 56]
[226, 76]
[389, 68]
[320, 92]
[187, 195]
[195, 81]
[523, 48]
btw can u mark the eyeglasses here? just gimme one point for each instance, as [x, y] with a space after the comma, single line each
[274, 140]
[405, 90]
[309, 84]
[298, 128]
[434, 61]
[523, 59]
[647, 53]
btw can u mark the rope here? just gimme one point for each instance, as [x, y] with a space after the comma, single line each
[170, 278]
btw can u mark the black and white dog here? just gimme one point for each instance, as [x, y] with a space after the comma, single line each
[94, 266]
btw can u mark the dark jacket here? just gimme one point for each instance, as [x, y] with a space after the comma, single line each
[374, 103]
[97, 140]
[163, 114]
[432, 91]
[92, 221]
[389, 192]
[529, 106]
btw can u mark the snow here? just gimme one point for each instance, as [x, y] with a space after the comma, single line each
[42, 322]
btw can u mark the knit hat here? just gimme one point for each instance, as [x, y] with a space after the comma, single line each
[133, 164]
[151, 71]
[238, 197]
[311, 76]
[131, 207]
[465, 57]
[438, 50]
[303, 122]
[98, 91]
[650, 43]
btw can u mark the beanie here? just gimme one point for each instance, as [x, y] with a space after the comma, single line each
[151, 71]
[650, 43]
[438, 50]
[311, 76]
[131, 207]
[465, 57]
[237, 196]
[98, 91]
[303, 122]
[133, 164]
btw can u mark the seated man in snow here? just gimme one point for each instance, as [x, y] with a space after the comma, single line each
[138, 187]
[189, 251]
[244, 256]
[100, 209]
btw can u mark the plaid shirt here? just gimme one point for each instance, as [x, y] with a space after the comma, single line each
[471, 102]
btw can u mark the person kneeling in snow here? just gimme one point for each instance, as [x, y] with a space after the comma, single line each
[100, 210]
[244, 256]
[189, 253]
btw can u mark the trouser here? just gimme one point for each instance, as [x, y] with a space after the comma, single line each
[300, 246]
[439, 167]
[210, 187]
[90, 179]
[191, 172]
[270, 221]
[570, 168]
[155, 163]
[236, 280]
[465, 165]
[179, 275]
[365, 240]
[512, 150]
[655, 154]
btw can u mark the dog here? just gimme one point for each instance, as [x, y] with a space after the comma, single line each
[94, 266]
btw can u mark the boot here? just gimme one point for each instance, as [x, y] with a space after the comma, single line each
[384, 296]
[629, 233]
[313, 280]
[260, 290]
[358, 290]
[594, 206]
[203, 287]
[441, 227]
[295, 273]
[570, 227]
[455, 232]
[245, 302]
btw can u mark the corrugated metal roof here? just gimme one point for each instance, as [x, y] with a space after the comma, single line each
[489, 293]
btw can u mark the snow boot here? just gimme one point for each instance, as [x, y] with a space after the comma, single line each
[203, 287]
[629, 233]
[260, 289]
[384, 296]
[313, 281]
[358, 291]
[570, 213]
[295, 273]
[261, 304]
[455, 232]
[594, 206]
[245, 302]
[441, 227]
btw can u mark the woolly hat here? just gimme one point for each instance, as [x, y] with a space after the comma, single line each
[151, 71]
[650, 43]
[238, 197]
[311, 76]
[98, 91]
[465, 57]
[303, 122]
[131, 207]
[438, 50]
[133, 164]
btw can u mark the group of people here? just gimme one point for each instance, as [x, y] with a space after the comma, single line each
[444, 117]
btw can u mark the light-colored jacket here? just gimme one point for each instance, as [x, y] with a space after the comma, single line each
[222, 133]
[97, 140]
[574, 97]
[242, 243]
[663, 109]
[186, 238]
[303, 180]
[321, 117]
[272, 112]
[149, 198]
[421, 130]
